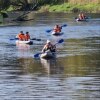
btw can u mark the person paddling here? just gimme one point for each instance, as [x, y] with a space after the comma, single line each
[81, 16]
[21, 36]
[49, 46]
[57, 29]
[27, 36]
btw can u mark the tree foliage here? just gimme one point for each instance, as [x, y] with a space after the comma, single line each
[4, 4]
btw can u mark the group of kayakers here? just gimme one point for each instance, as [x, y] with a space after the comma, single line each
[49, 45]
[23, 37]
[57, 29]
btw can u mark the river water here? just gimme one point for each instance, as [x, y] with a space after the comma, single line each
[73, 75]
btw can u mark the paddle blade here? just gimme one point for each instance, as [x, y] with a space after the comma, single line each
[64, 25]
[38, 39]
[37, 55]
[48, 31]
[33, 39]
[61, 41]
[14, 39]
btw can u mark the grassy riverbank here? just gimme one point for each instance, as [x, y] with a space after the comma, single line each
[68, 7]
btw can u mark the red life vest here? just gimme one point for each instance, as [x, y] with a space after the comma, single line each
[57, 30]
[27, 37]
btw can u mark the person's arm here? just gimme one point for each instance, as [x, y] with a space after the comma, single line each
[28, 36]
[54, 29]
[53, 48]
[43, 50]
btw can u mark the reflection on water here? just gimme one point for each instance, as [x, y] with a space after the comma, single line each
[51, 66]
[74, 75]
[23, 50]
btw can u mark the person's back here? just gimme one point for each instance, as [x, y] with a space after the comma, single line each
[80, 16]
[27, 36]
[21, 36]
[18, 35]
[83, 16]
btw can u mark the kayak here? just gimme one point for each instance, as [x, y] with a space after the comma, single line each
[48, 55]
[57, 34]
[85, 19]
[24, 42]
[80, 19]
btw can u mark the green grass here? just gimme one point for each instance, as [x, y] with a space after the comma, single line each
[10, 8]
[67, 7]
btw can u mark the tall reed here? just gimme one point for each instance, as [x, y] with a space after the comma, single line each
[83, 1]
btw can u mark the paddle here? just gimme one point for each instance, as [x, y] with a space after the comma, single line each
[37, 55]
[52, 29]
[30, 39]
[35, 39]
[14, 39]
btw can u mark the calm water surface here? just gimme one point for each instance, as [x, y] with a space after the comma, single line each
[73, 75]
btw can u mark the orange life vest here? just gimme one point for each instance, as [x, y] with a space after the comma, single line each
[21, 37]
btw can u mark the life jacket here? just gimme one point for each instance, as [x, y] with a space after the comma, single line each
[83, 16]
[80, 16]
[21, 37]
[50, 47]
[57, 30]
[27, 37]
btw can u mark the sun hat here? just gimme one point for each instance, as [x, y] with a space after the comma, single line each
[48, 41]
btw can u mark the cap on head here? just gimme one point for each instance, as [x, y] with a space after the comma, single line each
[21, 31]
[48, 41]
[56, 25]
[27, 32]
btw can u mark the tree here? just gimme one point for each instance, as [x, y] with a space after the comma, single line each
[4, 4]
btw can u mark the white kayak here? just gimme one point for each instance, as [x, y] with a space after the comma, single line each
[24, 42]
[48, 55]
[80, 19]
[57, 34]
